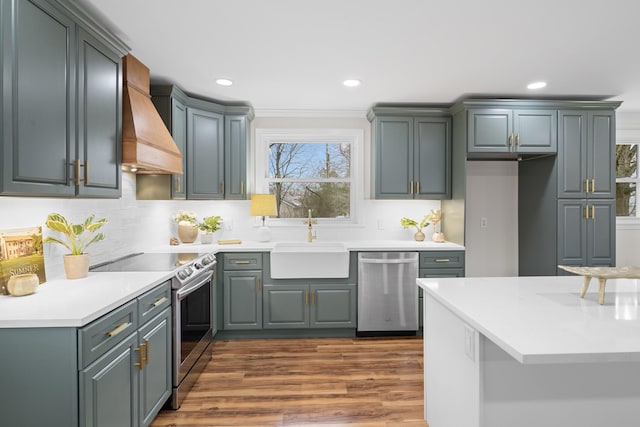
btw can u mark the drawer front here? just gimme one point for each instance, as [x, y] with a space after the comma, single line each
[153, 302]
[442, 259]
[104, 333]
[441, 272]
[243, 261]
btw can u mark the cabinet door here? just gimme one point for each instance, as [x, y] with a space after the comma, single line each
[286, 306]
[179, 134]
[235, 162]
[489, 130]
[109, 387]
[205, 155]
[432, 157]
[333, 306]
[601, 149]
[155, 377]
[572, 154]
[394, 158]
[535, 131]
[242, 300]
[601, 233]
[99, 118]
[38, 102]
[572, 232]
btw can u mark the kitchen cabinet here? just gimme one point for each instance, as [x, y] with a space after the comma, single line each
[290, 306]
[438, 264]
[587, 156]
[205, 154]
[411, 153]
[586, 232]
[242, 290]
[502, 130]
[213, 139]
[62, 100]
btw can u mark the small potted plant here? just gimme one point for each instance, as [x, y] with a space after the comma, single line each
[78, 238]
[408, 222]
[187, 230]
[209, 224]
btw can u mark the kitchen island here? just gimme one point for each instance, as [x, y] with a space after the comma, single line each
[528, 351]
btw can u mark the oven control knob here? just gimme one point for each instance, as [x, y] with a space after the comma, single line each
[197, 266]
[207, 260]
[184, 273]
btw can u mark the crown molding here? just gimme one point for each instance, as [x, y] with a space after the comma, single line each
[360, 114]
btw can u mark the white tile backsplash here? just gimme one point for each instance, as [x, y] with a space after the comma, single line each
[135, 225]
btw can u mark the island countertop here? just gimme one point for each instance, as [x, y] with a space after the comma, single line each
[543, 319]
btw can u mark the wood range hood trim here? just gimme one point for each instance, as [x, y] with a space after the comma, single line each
[147, 145]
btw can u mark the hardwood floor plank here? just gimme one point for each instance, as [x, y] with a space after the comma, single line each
[304, 382]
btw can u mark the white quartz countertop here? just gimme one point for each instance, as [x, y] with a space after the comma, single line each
[356, 245]
[75, 303]
[543, 319]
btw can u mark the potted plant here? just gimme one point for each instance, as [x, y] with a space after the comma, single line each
[187, 230]
[408, 222]
[78, 238]
[209, 224]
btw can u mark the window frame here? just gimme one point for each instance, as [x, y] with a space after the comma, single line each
[626, 137]
[264, 137]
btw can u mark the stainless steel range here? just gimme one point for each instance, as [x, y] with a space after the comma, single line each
[192, 286]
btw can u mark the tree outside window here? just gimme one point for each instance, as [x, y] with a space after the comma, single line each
[626, 180]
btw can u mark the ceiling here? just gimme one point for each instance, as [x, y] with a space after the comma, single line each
[286, 55]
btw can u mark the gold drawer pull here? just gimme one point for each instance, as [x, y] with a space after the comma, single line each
[159, 301]
[593, 185]
[442, 260]
[586, 184]
[586, 212]
[241, 261]
[118, 329]
[140, 350]
[593, 211]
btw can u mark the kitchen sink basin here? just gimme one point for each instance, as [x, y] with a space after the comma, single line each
[301, 260]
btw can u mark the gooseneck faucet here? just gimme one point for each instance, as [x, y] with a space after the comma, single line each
[310, 234]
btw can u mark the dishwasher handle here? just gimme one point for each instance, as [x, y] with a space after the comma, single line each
[388, 261]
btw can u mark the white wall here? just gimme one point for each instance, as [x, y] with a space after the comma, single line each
[492, 193]
[628, 239]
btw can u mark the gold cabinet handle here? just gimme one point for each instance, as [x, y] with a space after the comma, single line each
[417, 187]
[222, 187]
[159, 301]
[146, 352]
[178, 183]
[442, 260]
[411, 187]
[118, 329]
[239, 261]
[306, 298]
[140, 350]
[518, 139]
[593, 211]
[586, 184]
[593, 185]
[510, 140]
[86, 172]
[586, 212]
[241, 187]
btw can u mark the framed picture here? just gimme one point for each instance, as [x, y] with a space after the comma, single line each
[21, 253]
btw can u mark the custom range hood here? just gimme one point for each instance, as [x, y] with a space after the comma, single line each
[147, 145]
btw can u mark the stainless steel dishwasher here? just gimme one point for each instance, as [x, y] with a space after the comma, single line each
[387, 292]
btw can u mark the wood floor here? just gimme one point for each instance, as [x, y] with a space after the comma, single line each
[368, 382]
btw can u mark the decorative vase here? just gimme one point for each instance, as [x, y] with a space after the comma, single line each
[419, 236]
[187, 232]
[76, 266]
[23, 284]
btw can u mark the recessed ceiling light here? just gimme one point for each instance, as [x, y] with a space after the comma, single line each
[536, 85]
[224, 82]
[351, 83]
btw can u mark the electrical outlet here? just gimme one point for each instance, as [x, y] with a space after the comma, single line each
[483, 222]
[469, 342]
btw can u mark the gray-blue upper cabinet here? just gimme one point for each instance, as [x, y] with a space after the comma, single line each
[587, 157]
[61, 86]
[501, 130]
[411, 153]
[235, 156]
[205, 154]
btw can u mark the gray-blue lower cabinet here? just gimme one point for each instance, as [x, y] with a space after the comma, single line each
[292, 306]
[242, 299]
[439, 264]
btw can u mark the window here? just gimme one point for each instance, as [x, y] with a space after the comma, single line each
[627, 179]
[309, 169]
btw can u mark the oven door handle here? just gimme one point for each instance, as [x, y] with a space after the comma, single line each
[183, 292]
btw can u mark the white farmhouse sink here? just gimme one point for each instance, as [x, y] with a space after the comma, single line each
[298, 260]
